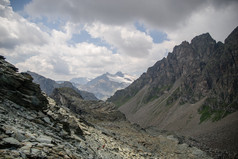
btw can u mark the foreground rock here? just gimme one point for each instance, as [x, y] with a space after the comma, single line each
[27, 134]
[19, 88]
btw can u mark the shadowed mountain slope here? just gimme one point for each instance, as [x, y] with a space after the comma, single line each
[194, 91]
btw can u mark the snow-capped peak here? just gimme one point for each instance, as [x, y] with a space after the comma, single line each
[121, 78]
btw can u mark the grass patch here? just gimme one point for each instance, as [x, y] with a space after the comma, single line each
[174, 96]
[213, 110]
[156, 92]
[206, 113]
[122, 101]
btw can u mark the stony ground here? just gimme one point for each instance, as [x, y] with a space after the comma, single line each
[56, 132]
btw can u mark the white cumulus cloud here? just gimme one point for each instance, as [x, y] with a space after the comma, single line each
[47, 51]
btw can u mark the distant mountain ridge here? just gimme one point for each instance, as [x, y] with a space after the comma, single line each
[48, 85]
[194, 91]
[107, 84]
[80, 80]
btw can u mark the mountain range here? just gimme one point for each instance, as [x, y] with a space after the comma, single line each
[105, 85]
[34, 125]
[80, 80]
[193, 91]
[48, 85]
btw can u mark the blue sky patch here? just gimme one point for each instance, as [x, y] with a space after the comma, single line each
[51, 24]
[156, 35]
[18, 5]
[84, 36]
[139, 26]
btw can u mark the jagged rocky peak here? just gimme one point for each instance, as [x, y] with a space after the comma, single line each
[203, 39]
[195, 85]
[233, 36]
[231, 48]
[19, 88]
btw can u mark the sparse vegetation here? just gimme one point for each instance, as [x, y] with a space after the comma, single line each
[122, 101]
[213, 110]
[156, 92]
[174, 96]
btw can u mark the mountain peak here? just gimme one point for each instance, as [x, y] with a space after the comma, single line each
[107, 84]
[119, 73]
[202, 40]
[232, 39]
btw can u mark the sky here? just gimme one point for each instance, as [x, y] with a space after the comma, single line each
[63, 39]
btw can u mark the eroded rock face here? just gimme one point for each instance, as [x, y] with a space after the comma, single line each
[88, 109]
[19, 88]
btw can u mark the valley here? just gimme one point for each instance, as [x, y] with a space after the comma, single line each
[185, 106]
[71, 127]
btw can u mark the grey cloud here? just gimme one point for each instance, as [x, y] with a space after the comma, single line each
[160, 13]
[222, 3]
[5, 2]
[60, 66]
[5, 40]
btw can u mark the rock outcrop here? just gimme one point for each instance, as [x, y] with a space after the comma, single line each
[192, 91]
[90, 110]
[19, 88]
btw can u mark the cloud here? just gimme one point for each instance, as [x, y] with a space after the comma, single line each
[53, 52]
[126, 39]
[4, 2]
[180, 19]
[163, 13]
[59, 60]
[157, 13]
[218, 22]
[15, 30]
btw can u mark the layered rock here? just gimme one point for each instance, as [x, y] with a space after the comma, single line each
[19, 88]
[90, 110]
[58, 133]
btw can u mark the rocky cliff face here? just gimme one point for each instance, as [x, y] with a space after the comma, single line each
[48, 85]
[44, 129]
[197, 82]
[90, 110]
[19, 87]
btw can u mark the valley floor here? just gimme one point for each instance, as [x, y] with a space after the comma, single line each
[56, 132]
